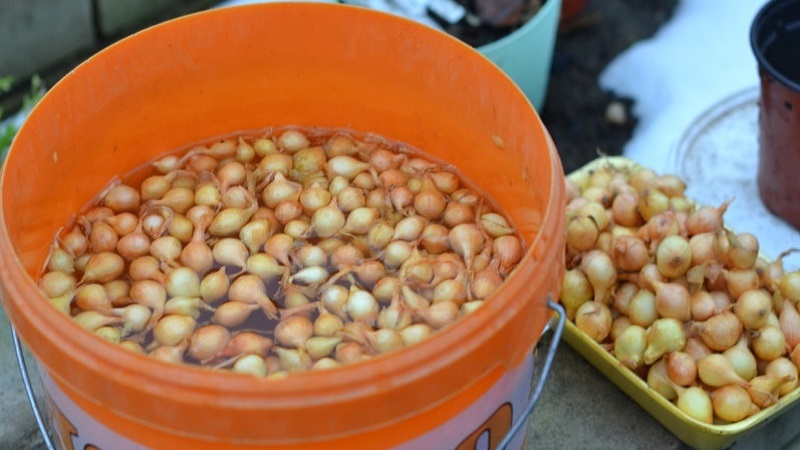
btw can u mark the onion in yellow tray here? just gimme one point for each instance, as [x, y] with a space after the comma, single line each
[575, 291]
[681, 368]
[769, 343]
[789, 320]
[663, 336]
[753, 308]
[763, 389]
[789, 285]
[785, 369]
[694, 309]
[696, 403]
[673, 300]
[630, 345]
[599, 269]
[732, 403]
[716, 370]
[594, 319]
[742, 359]
[719, 332]
[658, 380]
[673, 256]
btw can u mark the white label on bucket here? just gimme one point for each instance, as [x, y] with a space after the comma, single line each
[480, 426]
[490, 418]
[72, 428]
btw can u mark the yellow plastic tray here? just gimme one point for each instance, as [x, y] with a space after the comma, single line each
[692, 432]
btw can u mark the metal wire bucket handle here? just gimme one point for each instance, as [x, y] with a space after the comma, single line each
[548, 361]
[521, 421]
[37, 413]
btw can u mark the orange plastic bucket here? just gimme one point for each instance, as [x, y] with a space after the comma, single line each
[247, 68]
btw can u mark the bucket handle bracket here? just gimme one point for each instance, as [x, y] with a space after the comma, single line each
[548, 362]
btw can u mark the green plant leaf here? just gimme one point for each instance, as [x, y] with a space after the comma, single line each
[35, 93]
[7, 134]
[6, 82]
[29, 100]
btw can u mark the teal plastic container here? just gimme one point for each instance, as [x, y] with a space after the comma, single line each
[526, 54]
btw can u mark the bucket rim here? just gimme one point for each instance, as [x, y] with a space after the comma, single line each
[279, 393]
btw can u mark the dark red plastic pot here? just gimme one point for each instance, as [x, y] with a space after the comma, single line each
[775, 40]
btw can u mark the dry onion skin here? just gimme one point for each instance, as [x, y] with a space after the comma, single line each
[642, 256]
[292, 250]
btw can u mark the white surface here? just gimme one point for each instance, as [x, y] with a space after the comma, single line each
[700, 58]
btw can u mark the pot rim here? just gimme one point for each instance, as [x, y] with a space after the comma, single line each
[774, 11]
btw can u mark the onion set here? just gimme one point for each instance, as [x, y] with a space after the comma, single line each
[676, 297]
[288, 251]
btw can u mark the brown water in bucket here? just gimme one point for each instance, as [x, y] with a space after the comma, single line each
[775, 39]
[245, 68]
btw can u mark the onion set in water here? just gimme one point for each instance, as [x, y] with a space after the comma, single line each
[294, 250]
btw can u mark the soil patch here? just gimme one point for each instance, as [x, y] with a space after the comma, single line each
[575, 109]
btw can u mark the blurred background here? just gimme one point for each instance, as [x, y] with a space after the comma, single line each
[44, 39]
